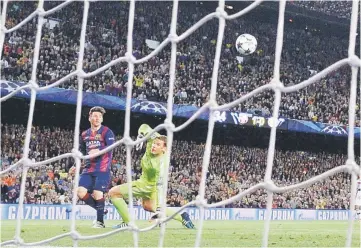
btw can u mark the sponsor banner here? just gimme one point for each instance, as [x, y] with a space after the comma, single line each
[244, 214]
[158, 108]
[210, 214]
[277, 214]
[63, 212]
[332, 214]
[35, 212]
[251, 120]
[304, 214]
[83, 212]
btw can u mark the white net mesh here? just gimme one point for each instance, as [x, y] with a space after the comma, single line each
[173, 38]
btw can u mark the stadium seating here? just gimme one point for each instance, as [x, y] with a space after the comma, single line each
[341, 9]
[305, 52]
[231, 169]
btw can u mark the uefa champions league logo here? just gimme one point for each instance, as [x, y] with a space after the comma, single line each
[241, 214]
[8, 87]
[149, 107]
[237, 216]
[334, 130]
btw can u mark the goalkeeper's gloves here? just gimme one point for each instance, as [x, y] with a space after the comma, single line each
[139, 146]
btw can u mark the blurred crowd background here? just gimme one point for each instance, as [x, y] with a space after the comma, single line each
[232, 169]
[306, 51]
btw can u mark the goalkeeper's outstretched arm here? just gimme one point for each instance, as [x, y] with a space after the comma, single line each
[145, 129]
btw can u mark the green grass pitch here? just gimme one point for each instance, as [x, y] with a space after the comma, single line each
[215, 234]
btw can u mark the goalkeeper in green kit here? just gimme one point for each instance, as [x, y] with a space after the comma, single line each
[145, 188]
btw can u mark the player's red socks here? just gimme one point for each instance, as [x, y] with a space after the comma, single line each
[89, 200]
[99, 207]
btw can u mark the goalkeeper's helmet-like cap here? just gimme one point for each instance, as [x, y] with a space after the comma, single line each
[97, 109]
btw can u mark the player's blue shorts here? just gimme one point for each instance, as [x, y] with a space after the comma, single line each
[95, 181]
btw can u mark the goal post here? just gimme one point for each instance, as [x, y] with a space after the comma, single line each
[275, 84]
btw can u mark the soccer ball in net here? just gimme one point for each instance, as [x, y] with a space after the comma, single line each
[246, 44]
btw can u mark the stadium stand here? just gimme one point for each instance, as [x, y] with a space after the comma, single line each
[341, 9]
[232, 168]
[306, 51]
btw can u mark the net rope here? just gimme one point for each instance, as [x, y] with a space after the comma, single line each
[275, 84]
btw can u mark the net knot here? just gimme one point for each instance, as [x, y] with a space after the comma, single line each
[81, 73]
[74, 235]
[127, 141]
[169, 125]
[76, 153]
[277, 84]
[212, 104]
[130, 58]
[33, 85]
[133, 227]
[41, 12]
[221, 13]
[270, 186]
[200, 202]
[18, 241]
[354, 61]
[27, 162]
[352, 167]
[173, 38]
[3, 29]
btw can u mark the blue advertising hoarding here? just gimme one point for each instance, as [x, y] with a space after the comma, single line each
[157, 108]
[83, 212]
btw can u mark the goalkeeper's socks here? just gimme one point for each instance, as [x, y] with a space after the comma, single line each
[122, 208]
[177, 217]
[89, 200]
[99, 207]
[186, 221]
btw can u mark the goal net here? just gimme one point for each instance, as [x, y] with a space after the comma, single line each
[275, 85]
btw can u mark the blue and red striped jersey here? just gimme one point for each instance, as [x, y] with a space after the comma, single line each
[100, 139]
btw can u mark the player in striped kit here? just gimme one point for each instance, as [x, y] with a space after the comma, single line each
[96, 177]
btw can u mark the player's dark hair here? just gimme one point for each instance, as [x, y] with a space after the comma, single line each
[97, 109]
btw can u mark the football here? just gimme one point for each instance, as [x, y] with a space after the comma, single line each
[246, 44]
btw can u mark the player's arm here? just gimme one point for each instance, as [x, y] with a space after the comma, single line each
[145, 129]
[109, 139]
[82, 146]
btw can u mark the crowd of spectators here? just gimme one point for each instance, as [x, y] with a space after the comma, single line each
[341, 9]
[232, 169]
[305, 52]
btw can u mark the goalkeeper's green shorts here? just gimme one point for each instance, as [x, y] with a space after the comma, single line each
[140, 189]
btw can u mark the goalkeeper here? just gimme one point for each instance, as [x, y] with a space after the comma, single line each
[145, 188]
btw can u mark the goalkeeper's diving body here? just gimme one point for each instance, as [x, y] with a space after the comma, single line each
[145, 188]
